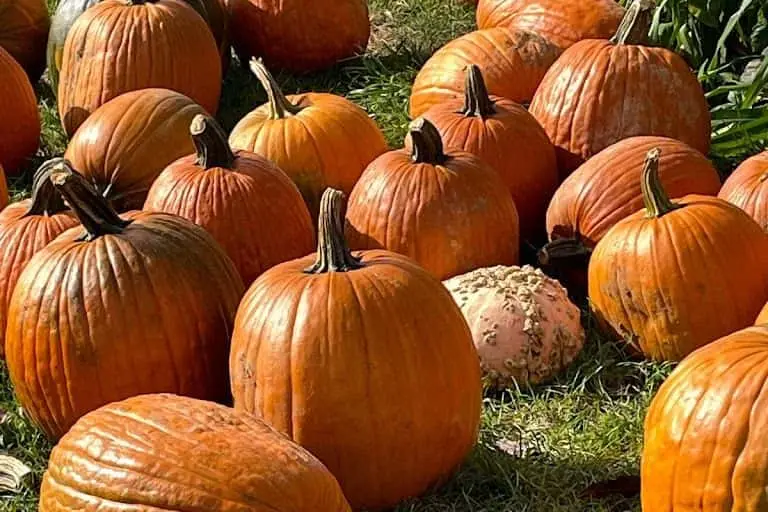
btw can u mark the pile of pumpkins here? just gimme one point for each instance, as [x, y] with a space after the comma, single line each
[348, 300]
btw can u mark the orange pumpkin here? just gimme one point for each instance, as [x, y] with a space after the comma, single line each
[249, 205]
[104, 312]
[598, 93]
[762, 318]
[127, 142]
[117, 46]
[327, 324]
[494, 128]
[562, 22]
[747, 188]
[20, 134]
[448, 211]
[319, 140]
[513, 63]
[678, 275]
[24, 33]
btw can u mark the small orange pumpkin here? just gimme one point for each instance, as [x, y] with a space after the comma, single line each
[24, 33]
[747, 188]
[20, 134]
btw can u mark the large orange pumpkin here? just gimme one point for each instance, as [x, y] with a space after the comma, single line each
[762, 318]
[130, 455]
[449, 211]
[678, 275]
[365, 329]
[599, 92]
[24, 33]
[562, 22]
[513, 63]
[505, 136]
[119, 46]
[20, 134]
[319, 140]
[127, 142]
[116, 309]
[747, 188]
[249, 205]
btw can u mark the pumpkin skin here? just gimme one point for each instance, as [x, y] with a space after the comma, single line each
[20, 136]
[598, 93]
[704, 431]
[747, 188]
[90, 321]
[304, 327]
[131, 449]
[300, 35]
[451, 213]
[563, 23]
[676, 276]
[127, 142]
[513, 63]
[319, 140]
[126, 45]
[24, 32]
[762, 318]
[243, 200]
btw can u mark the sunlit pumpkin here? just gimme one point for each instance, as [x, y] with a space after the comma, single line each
[747, 188]
[24, 32]
[20, 134]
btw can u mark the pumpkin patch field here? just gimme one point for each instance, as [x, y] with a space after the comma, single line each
[370, 255]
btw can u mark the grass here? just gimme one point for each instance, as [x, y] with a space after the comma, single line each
[539, 448]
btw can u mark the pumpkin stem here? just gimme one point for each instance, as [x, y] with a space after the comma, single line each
[333, 254]
[564, 249]
[46, 200]
[279, 106]
[94, 211]
[211, 143]
[657, 202]
[477, 102]
[636, 23]
[426, 142]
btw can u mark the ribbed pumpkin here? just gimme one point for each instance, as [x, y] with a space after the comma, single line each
[24, 32]
[505, 136]
[133, 450]
[250, 206]
[678, 275]
[562, 22]
[704, 443]
[127, 142]
[119, 46]
[20, 134]
[26, 228]
[300, 35]
[319, 140]
[400, 379]
[747, 188]
[116, 309]
[513, 63]
[449, 211]
[599, 92]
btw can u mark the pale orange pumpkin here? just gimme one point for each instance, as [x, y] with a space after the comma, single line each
[747, 188]
[762, 318]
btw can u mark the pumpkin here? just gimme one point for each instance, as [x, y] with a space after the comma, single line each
[504, 135]
[448, 211]
[24, 32]
[562, 22]
[250, 206]
[4, 197]
[103, 312]
[26, 228]
[319, 140]
[131, 450]
[762, 318]
[513, 63]
[127, 142]
[300, 35]
[598, 93]
[704, 441]
[20, 136]
[747, 188]
[117, 46]
[366, 329]
[678, 275]
[524, 327]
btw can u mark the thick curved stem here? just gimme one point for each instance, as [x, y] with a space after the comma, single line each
[562, 250]
[211, 143]
[477, 102]
[333, 254]
[46, 200]
[279, 106]
[657, 202]
[636, 23]
[427, 143]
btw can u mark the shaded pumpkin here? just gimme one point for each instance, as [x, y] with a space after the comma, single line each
[449, 211]
[20, 135]
[243, 200]
[131, 449]
[598, 93]
[678, 275]
[762, 318]
[747, 188]
[513, 63]
[103, 312]
[118, 46]
[24, 32]
[327, 323]
[319, 140]
[127, 142]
